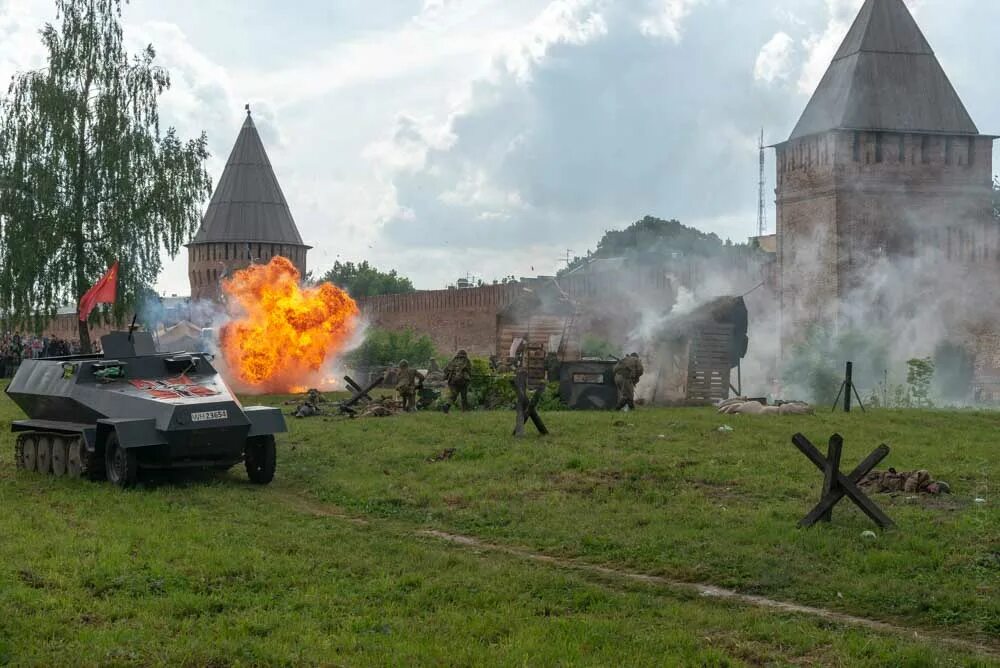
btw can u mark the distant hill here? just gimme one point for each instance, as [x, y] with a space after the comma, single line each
[653, 236]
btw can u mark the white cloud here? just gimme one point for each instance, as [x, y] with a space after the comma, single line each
[821, 47]
[561, 22]
[667, 18]
[774, 62]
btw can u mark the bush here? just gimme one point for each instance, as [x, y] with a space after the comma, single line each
[387, 347]
[495, 391]
[551, 399]
[489, 390]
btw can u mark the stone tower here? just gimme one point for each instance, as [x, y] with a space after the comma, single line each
[884, 163]
[248, 220]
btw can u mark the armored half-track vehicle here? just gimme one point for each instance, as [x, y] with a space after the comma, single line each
[112, 415]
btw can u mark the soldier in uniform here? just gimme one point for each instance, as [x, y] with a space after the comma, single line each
[458, 373]
[628, 371]
[407, 382]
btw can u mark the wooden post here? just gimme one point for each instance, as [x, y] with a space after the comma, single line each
[527, 408]
[533, 412]
[833, 453]
[848, 386]
[521, 387]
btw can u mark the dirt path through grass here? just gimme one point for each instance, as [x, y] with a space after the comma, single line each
[318, 509]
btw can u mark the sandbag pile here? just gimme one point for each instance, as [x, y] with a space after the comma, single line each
[744, 406]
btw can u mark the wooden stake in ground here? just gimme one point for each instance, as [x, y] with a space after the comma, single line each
[846, 389]
[527, 409]
[836, 485]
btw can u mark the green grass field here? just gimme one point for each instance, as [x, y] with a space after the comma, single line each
[331, 564]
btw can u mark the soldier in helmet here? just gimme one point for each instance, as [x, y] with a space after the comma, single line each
[628, 371]
[458, 373]
[407, 382]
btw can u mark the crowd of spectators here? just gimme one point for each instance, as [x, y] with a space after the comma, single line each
[15, 347]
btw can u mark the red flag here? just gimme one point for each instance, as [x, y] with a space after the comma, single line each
[105, 291]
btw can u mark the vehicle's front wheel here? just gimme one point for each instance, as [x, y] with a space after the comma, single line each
[120, 463]
[260, 458]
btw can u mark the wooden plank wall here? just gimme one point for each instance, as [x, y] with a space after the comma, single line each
[709, 370]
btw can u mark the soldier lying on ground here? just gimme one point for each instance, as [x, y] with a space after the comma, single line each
[910, 482]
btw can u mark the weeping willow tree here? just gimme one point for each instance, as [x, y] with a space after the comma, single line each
[87, 176]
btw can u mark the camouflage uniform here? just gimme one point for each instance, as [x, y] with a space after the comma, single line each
[407, 382]
[909, 482]
[307, 409]
[459, 374]
[627, 374]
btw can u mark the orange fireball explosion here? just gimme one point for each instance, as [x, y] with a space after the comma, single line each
[286, 333]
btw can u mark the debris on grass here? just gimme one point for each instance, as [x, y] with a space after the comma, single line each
[442, 456]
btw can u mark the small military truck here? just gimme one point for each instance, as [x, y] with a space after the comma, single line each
[112, 415]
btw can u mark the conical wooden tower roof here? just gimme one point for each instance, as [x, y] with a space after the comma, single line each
[248, 205]
[885, 77]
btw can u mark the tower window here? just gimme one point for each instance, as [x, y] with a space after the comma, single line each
[878, 147]
[949, 151]
[902, 148]
[972, 151]
[925, 150]
[857, 147]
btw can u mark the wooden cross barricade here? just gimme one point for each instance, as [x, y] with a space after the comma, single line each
[359, 393]
[527, 409]
[836, 485]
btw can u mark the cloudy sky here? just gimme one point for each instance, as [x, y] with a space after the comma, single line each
[486, 137]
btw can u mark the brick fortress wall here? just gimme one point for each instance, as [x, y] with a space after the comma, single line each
[609, 302]
[453, 319]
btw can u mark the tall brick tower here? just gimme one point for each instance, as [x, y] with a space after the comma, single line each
[248, 220]
[884, 163]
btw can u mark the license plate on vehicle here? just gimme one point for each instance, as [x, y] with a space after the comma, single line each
[208, 416]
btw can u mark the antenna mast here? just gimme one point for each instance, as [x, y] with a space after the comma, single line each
[761, 206]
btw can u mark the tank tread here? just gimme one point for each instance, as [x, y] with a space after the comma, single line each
[74, 461]
[19, 452]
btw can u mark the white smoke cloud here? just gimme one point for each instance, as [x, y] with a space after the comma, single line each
[775, 59]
